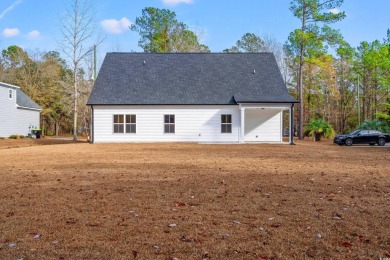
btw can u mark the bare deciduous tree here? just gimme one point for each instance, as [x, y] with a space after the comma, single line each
[77, 27]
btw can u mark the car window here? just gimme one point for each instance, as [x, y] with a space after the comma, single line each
[355, 132]
[374, 132]
[364, 132]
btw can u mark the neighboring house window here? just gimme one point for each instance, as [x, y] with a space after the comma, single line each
[226, 124]
[131, 122]
[118, 124]
[169, 124]
[10, 93]
[125, 124]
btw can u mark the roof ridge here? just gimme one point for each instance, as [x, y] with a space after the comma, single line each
[182, 53]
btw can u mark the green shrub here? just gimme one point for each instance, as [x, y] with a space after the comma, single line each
[16, 137]
[319, 128]
[374, 125]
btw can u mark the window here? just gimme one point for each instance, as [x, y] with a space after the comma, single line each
[10, 93]
[118, 124]
[131, 124]
[226, 124]
[125, 124]
[169, 124]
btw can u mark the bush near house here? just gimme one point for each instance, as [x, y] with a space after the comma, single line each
[13, 137]
[17, 137]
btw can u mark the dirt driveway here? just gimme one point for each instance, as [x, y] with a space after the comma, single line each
[193, 201]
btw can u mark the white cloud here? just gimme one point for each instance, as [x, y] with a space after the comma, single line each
[334, 11]
[11, 32]
[176, 2]
[8, 9]
[114, 26]
[34, 34]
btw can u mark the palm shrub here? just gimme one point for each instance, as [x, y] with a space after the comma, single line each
[319, 128]
[374, 125]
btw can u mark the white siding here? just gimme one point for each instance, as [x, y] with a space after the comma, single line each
[192, 123]
[7, 109]
[263, 125]
[24, 119]
[14, 120]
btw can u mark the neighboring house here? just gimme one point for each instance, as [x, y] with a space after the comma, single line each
[18, 113]
[189, 97]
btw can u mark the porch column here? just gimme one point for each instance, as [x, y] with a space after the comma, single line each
[91, 127]
[291, 135]
[242, 129]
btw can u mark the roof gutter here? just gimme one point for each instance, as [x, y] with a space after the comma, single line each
[29, 108]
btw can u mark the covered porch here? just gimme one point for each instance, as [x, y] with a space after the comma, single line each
[265, 123]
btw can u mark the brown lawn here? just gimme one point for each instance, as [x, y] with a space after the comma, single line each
[117, 201]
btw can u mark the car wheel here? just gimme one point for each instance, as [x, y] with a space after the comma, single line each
[381, 141]
[348, 142]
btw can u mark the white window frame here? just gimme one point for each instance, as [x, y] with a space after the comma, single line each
[131, 123]
[169, 124]
[227, 123]
[118, 124]
[124, 124]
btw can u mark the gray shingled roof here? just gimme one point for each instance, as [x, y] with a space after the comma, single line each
[188, 78]
[24, 101]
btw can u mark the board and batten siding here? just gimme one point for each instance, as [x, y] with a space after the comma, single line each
[14, 120]
[192, 123]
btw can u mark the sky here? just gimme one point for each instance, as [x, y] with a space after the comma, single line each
[35, 24]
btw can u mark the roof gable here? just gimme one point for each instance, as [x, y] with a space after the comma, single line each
[22, 100]
[188, 78]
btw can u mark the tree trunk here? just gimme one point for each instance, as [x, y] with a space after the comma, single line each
[300, 77]
[75, 104]
[57, 126]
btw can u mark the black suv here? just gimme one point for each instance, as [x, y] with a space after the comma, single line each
[371, 137]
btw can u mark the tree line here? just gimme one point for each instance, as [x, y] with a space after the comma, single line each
[335, 83]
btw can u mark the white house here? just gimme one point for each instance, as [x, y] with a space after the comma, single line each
[189, 97]
[18, 113]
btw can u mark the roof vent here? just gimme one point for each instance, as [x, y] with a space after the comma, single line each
[254, 71]
[144, 62]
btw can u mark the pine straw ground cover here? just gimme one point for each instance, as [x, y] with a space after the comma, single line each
[194, 201]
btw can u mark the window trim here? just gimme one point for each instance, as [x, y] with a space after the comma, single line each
[130, 124]
[124, 124]
[114, 124]
[170, 124]
[10, 94]
[226, 124]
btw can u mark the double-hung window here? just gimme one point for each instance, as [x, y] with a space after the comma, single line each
[226, 124]
[125, 124]
[131, 121]
[119, 124]
[169, 124]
